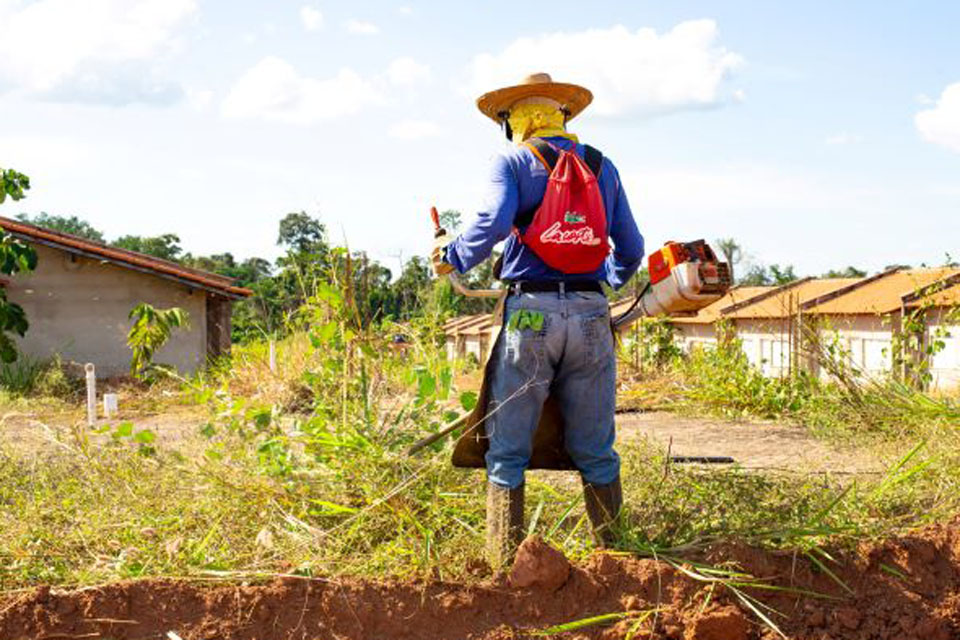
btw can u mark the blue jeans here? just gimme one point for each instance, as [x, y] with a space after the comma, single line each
[571, 357]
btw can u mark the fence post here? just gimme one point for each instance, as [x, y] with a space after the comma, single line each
[91, 393]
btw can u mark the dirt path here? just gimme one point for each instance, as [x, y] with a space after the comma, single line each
[904, 589]
[753, 445]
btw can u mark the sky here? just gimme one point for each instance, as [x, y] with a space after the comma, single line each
[817, 134]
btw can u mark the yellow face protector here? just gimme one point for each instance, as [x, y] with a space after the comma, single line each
[537, 120]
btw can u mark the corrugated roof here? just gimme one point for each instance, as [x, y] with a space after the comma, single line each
[711, 313]
[786, 300]
[485, 325]
[949, 297]
[124, 258]
[882, 295]
[461, 324]
[945, 292]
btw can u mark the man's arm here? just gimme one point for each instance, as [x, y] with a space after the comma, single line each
[493, 222]
[627, 254]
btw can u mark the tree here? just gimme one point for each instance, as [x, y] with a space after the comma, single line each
[300, 233]
[451, 219]
[411, 286]
[15, 257]
[849, 272]
[151, 329]
[732, 253]
[165, 247]
[72, 225]
[759, 275]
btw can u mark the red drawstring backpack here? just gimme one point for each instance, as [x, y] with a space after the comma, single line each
[568, 231]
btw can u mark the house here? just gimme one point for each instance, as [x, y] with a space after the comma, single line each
[78, 299]
[700, 330]
[937, 306]
[769, 325]
[471, 336]
[863, 317]
[778, 326]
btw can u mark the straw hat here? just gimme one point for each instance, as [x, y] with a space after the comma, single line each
[573, 98]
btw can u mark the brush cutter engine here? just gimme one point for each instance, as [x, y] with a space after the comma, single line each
[684, 278]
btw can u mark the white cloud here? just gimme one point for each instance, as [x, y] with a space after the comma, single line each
[311, 18]
[407, 72]
[91, 51]
[405, 10]
[273, 90]
[941, 124]
[414, 130]
[199, 99]
[629, 72]
[361, 28]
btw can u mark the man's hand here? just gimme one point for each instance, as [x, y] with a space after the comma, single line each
[440, 267]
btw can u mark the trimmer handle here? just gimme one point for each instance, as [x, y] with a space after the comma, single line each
[437, 229]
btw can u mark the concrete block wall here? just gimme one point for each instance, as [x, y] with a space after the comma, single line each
[78, 307]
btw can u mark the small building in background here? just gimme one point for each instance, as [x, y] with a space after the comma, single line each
[937, 306]
[863, 317]
[79, 297]
[769, 324]
[471, 336]
[700, 330]
[781, 327]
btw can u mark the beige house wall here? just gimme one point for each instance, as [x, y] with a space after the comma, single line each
[945, 364]
[867, 339]
[766, 343]
[77, 307]
[690, 336]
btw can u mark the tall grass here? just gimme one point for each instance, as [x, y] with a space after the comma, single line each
[303, 469]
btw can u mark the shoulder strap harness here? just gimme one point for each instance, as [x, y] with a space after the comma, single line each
[549, 155]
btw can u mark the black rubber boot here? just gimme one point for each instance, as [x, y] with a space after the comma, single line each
[603, 502]
[504, 524]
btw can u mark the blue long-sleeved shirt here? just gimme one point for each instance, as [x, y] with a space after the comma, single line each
[517, 183]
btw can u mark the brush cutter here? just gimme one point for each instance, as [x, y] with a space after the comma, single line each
[684, 277]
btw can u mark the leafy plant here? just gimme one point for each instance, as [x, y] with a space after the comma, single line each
[15, 256]
[13, 184]
[151, 329]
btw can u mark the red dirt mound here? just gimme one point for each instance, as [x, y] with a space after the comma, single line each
[900, 590]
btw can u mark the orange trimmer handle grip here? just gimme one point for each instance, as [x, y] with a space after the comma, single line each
[437, 229]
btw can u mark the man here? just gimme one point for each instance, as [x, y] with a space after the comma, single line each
[557, 337]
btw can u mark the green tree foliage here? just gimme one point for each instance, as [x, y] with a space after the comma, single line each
[410, 288]
[151, 329]
[165, 247]
[72, 225]
[774, 274]
[451, 219]
[849, 272]
[12, 184]
[15, 257]
[302, 235]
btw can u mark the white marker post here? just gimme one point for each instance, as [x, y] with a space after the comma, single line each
[273, 357]
[110, 404]
[91, 393]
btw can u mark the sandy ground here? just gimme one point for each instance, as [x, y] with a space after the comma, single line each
[753, 445]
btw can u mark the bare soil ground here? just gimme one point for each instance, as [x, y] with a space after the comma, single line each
[752, 444]
[907, 589]
[760, 445]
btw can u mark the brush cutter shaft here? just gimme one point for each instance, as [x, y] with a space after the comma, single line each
[464, 290]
